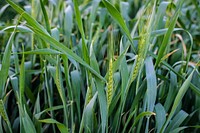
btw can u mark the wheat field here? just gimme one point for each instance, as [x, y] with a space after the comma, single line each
[100, 66]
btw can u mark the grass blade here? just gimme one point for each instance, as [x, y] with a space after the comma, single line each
[103, 103]
[140, 116]
[5, 65]
[177, 121]
[178, 99]
[27, 123]
[22, 79]
[60, 126]
[89, 112]
[43, 51]
[167, 37]
[46, 18]
[151, 84]
[59, 84]
[37, 116]
[4, 114]
[119, 19]
[160, 116]
[80, 26]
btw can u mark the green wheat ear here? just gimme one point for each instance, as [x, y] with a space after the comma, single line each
[2, 111]
[4, 115]
[110, 83]
[60, 88]
[57, 80]
[89, 94]
[141, 50]
[139, 62]
[143, 43]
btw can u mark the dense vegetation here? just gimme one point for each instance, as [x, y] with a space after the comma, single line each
[100, 66]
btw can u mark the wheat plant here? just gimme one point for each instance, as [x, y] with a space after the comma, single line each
[100, 66]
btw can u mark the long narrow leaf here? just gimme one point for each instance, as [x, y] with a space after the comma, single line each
[5, 64]
[178, 99]
[118, 18]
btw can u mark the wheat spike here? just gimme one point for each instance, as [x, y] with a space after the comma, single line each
[4, 115]
[89, 94]
[2, 111]
[110, 84]
[140, 57]
[142, 47]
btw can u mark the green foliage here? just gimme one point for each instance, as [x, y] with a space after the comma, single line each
[100, 66]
